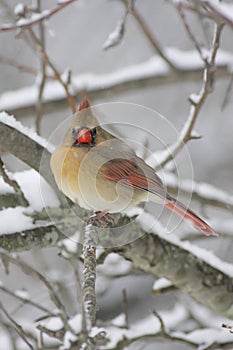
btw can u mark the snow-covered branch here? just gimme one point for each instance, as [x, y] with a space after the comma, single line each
[27, 146]
[35, 18]
[203, 276]
[152, 72]
[197, 101]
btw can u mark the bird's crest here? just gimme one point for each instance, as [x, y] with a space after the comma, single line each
[85, 104]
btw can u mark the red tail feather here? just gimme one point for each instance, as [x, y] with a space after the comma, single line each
[187, 214]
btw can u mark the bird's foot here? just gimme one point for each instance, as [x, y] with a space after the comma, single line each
[102, 219]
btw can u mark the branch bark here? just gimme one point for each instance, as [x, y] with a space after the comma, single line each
[161, 258]
[28, 151]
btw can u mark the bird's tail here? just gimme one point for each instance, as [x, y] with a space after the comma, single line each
[188, 214]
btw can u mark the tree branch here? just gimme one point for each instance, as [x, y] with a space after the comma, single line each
[161, 258]
[26, 23]
[28, 151]
[197, 102]
[148, 34]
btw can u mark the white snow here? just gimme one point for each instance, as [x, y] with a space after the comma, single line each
[161, 283]
[148, 223]
[70, 244]
[76, 323]
[5, 188]
[33, 187]
[19, 9]
[35, 17]
[115, 265]
[68, 339]
[223, 8]
[6, 342]
[191, 60]
[148, 325]
[13, 220]
[203, 189]
[206, 337]
[153, 67]
[115, 36]
[96, 330]
[11, 121]
[119, 321]
[53, 323]
[23, 294]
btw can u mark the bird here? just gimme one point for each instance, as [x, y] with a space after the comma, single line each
[101, 172]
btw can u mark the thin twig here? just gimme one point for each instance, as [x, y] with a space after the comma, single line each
[125, 307]
[35, 274]
[189, 32]
[30, 22]
[17, 327]
[21, 67]
[215, 11]
[42, 74]
[26, 300]
[196, 104]
[228, 93]
[57, 75]
[14, 184]
[147, 32]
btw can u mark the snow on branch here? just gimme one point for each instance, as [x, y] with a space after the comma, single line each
[116, 35]
[35, 18]
[197, 102]
[201, 191]
[220, 10]
[151, 72]
[203, 276]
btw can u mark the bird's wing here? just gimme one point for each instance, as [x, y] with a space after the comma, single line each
[134, 173]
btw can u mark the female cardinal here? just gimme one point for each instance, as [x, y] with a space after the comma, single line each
[102, 173]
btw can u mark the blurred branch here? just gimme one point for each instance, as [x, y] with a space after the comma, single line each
[26, 23]
[228, 93]
[19, 330]
[57, 75]
[26, 300]
[189, 32]
[29, 270]
[42, 74]
[23, 201]
[22, 67]
[217, 11]
[197, 101]
[148, 34]
[137, 76]
[28, 151]
[202, 192]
